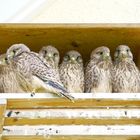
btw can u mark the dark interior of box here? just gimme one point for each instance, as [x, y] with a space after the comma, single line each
[83, 38]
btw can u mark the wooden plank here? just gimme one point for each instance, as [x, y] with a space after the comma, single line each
[2, 110]
[71, 130]
[67, 121]
[2, 113]
[63, 103]
[71, 36]
[71, 137]
[74, 113]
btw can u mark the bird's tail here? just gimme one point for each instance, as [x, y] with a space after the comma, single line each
[60, 90]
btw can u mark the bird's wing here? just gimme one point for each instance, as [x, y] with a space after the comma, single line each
[46, 74]
[24, 83]
[40, 68]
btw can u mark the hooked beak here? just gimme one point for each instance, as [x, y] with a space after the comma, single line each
[10, 55]
[106, 56]
[73, 59]
[4, 61]
[49, 56]
[123, 55]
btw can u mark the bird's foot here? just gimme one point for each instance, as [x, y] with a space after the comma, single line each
[33, 93]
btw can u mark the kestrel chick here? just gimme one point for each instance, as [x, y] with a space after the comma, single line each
[32, 66]
[125, 74]
[72, 72]
[98, 71]
[51, 55]
[11, 81]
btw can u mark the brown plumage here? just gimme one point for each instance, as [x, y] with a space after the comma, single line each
[41, 75]
[98, 71]
[51, 55]
[72, 73]
[126, 76]
[12, 81]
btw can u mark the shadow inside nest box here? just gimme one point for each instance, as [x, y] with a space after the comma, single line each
[68, 37]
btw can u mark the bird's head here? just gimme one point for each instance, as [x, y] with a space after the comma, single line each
[123, 53]
[16, 50]
[50, 53]
[73, 57]
[101, 54]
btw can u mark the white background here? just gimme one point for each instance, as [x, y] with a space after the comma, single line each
[70, 11]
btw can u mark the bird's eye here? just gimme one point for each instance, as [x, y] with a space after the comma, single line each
[66, 58]
[79, 59]
[45, 51]
[55, 54]
[14, 51]
[127, 50]
[118, 51]
[5, 59]
[100, 53]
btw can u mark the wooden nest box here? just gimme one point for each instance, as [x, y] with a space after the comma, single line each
[91, 116]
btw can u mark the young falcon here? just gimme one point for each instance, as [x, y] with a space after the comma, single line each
[98, 71]
[125, 74]
[72, 72]
[11, 81]
[38, 72]
[51, 55]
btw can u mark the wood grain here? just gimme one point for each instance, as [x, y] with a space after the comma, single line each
[2, 118]
[71, 137]
[2, 108]
[69, 121]
[71, 36]
[63, 103]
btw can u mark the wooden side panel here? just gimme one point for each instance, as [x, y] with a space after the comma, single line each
[2, 114]
[89, 117]
[2, 110]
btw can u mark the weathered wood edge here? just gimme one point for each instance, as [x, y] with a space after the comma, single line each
[97, 137]
[69, 25]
